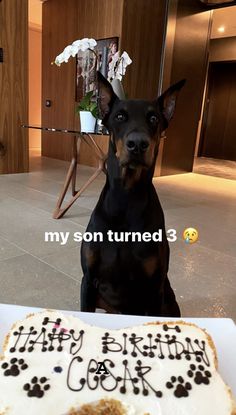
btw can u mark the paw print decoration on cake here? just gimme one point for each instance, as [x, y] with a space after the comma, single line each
[37, 387]
[199, 374]
[14, 368]
[181, 388]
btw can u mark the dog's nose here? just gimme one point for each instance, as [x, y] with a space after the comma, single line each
[137, 145]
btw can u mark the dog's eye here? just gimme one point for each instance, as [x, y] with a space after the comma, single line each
[153, 119]
[121, 116]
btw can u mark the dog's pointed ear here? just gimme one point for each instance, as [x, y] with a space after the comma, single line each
[167, 101]
[106, 95]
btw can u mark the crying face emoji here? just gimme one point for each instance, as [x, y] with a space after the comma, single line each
[190, 235]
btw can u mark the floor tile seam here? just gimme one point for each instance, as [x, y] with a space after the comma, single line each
[42, 211]
[31, 188]
[41, 260]
[11, 257]
[74, 247]
[33, 174]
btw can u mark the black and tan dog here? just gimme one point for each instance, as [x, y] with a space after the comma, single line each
[130, 277]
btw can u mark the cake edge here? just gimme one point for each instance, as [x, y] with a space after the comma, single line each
[73, 411]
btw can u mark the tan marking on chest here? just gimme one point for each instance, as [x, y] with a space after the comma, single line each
[90, 256]
[149, 265]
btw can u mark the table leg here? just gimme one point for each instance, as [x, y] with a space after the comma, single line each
[71, 176]
[61, 212]
[75, 153]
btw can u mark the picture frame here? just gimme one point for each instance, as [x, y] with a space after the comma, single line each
[106, 48]
[87, 65]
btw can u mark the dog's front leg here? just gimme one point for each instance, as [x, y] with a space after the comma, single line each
[88, 290]
[88, 295]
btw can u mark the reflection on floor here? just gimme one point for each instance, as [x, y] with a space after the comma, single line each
[44, 274]
[215, 167]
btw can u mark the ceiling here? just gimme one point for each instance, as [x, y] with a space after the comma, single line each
[35, 14]
[226, 18]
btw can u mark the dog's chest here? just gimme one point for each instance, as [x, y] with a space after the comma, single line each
[131, 257]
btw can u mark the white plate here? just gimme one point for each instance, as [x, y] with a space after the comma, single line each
[222, 330]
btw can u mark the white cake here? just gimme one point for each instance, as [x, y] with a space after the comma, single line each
[55, 364]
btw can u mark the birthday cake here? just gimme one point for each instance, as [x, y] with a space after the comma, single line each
[55, 364]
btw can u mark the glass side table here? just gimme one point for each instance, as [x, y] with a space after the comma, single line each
[71, 174]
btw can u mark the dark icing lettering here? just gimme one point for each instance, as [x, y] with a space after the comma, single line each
[109, 344]
[77, 344]
[128, 378]
[134, 340]
[142, 371]
[104, 380]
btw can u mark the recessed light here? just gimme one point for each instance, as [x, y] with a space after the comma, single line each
[221, 29]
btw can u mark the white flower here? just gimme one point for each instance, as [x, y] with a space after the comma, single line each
[59, 59]
[112, 66]
[72, 50]
[84, 46]
[77, 43]
[118, 65]
[126, 59]
[92, 43]
[67, 53]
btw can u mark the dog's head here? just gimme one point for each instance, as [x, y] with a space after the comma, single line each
[136, 125]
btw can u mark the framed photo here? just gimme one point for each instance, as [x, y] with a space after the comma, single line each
[106, 48]
[86, 65]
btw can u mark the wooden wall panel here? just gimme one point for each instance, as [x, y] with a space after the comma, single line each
[14, 157]
[87, 156]
[99, 19]
[189, 60]
[59, 21]
[223, 49]
[63, 22]
[143, 30]
[219, 121]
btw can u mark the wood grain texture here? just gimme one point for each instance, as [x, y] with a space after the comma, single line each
[63, 22]
[189, 61]
[142, 37]
[223, 49]
[87, 156]
[59, 22]
[219, 122]
[14, 156]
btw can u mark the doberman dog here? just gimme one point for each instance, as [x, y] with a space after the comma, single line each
[130, 277]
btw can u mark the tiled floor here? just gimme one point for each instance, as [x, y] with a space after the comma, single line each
[36, 273]
[215, 167]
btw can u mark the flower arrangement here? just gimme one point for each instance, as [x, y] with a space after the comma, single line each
[117, 65]
[116, 70]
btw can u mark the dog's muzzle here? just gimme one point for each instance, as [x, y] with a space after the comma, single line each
[137, 143]
[136, 149]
